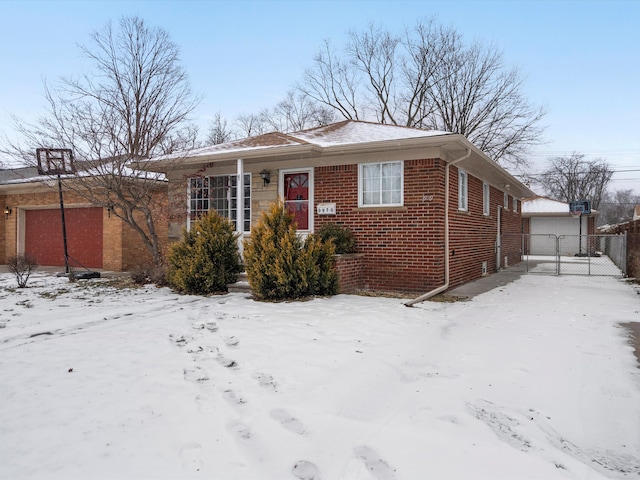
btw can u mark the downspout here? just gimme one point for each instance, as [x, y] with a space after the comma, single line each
[499, 240]
[240, 204]
[444, 287]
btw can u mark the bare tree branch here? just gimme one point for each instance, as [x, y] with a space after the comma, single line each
[132, 105]
[428, 78]
[574, 178]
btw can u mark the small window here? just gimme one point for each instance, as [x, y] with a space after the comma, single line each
[506, 200]
[515, 204]
[380, 184]
[463, 190]
[486, 200]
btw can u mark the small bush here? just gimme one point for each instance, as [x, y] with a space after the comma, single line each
[280, 265]
[341, 236]
[206, 260]
[22, 266]
[150, 274]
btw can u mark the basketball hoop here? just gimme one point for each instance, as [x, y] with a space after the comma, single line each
[55, 161]
[575, 213]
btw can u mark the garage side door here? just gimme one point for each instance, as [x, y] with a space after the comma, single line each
[43, 236]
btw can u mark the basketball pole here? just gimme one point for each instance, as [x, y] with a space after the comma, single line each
[579, 235]
[64, 227]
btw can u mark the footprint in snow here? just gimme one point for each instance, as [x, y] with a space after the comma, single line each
[191, 455]
[193, 348]
[266, 380]
[288, 421]
[240, 430]
[195, 374]
[231, 341]
[304, 470]
[205, 405]
[374, 464]
[226, 361]
[231, 397]
[179, 340]
[211, 325]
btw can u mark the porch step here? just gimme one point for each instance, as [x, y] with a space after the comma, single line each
[241, 285]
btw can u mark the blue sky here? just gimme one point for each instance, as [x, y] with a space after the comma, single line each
[581, 58]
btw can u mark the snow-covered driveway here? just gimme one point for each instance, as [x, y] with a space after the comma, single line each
[535, 380]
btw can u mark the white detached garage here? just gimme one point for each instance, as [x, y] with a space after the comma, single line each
[545, 219]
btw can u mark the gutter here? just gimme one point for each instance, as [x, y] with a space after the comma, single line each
[444, 287]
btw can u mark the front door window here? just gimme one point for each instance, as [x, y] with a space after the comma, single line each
[296, 197]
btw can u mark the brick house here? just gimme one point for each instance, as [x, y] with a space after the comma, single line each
[96, 238]
[425, 206]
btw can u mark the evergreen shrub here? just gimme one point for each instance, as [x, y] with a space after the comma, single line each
[206, 260]
[341, 236]
[280, 265]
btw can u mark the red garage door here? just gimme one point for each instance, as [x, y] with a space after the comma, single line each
[43, 236]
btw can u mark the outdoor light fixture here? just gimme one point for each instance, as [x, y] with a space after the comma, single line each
[266, 177]
[7, 211]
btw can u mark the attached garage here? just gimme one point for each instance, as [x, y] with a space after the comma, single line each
[43, 236]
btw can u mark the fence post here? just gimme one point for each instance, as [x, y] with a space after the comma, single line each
[625, 253]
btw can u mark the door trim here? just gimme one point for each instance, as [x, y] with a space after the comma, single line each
[309, 171]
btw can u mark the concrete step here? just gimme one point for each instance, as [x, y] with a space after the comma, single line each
[241, 285]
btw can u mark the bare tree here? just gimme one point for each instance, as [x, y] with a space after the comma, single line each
[252, 125]
[617, 207]
[428, 78]
[295, 112]
[219, 131]
[134, 104]
[574, 178]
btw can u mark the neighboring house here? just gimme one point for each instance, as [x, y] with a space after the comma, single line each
[96, 238]
[390, 185]
[636, 213]
[542, 216]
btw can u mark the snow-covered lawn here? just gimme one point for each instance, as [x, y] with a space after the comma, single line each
[535, 380]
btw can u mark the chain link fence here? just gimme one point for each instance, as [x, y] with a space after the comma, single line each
[550, 254]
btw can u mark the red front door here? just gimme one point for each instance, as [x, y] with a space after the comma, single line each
[296, 197]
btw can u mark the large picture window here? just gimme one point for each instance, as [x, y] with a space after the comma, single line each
[380, 184]
[220, 194]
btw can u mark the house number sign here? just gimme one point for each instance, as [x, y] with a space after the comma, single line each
[326, 208]
[427, 198]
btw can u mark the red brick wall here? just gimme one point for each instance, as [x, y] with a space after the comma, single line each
[122, 247]
[403, 247]
[350, 268]
[473, 234]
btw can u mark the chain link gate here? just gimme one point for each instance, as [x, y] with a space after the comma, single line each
[550, 254]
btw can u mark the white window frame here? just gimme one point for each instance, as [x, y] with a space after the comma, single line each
[486, 199]
[380, 203]
[506, 201]
[515, 204]
[209, 202]
[463, 190]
